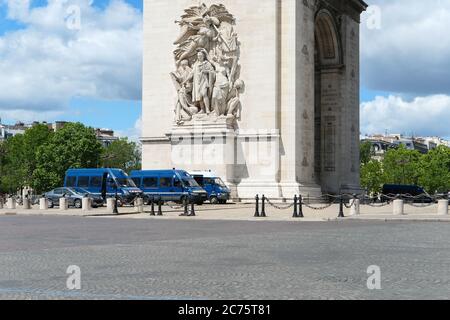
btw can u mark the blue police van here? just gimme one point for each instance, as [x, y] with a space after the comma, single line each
[104, 182]
[169, 185]
[218, 192]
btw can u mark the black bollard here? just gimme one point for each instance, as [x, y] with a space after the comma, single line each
[152, 212]
[263, 207]
[300, 207]
[186, 208]
[295, 207]
[192, 213]
[257, 207]
[160, 208]
[341, 207]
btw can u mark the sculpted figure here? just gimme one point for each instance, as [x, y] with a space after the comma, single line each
[204, 35]
[234, 104]
[222, 86]
[207, 61]
[183, 86]
[202, 76]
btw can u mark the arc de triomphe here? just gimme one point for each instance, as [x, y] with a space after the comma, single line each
[265, 93]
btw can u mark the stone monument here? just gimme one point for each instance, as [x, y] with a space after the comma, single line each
[265, 93]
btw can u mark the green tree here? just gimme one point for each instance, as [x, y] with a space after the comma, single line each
[74, 146]
[435, 170]
[366, 152]
[19, 158]
[401, 166]
[122, 154]
[372, 176]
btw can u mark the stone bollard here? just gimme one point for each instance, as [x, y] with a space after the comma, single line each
[355, 209]
[139, 205]
[399, 207]
[110, 205]
[26, 204]
[1, 204]
[443, 207]
[43, 204]
[11, 204]
[63, 205]
[86, 204]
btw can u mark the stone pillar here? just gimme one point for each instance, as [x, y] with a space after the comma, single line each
[110, 205]
[11, 204]
[399, 207]
[86, 204]
[139, 205]
[355, 210]
[296, 41]
[26, 204]
[443, 207]
[43, 204]
[63, 204]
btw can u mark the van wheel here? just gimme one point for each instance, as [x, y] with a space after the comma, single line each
[214, 200]
[77, 204]
[50, 204]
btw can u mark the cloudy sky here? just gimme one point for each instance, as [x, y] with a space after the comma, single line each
[54, 66]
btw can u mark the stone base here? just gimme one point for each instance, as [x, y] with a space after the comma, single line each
[247, 191]
[207, 122]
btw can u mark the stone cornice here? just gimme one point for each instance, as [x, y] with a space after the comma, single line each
[352, 8]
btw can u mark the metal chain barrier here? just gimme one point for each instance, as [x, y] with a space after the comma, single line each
[423, 205]
[174, 207]
[279, 207]
[318, 208]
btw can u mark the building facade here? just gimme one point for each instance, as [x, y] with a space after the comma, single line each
[283, 92]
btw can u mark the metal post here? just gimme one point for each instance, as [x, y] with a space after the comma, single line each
[186, 207]
[257, 207]
[295, 207]
[300, 205]
[192, 213]
[152, 212]
[116, 209]
[263, 207]
[160, 208]
[341, 207]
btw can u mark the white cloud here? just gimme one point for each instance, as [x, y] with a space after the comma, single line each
[422, 116]
[133, 134]
[46, 64]
[410, 53]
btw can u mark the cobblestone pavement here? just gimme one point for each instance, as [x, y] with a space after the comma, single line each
[150, 259]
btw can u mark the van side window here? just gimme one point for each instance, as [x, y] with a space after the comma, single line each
[137, 181]
[177, 183]
[96, 182]
[165, 182]
[150, 183]
[71, 182]
[83, 182]
[208, 181]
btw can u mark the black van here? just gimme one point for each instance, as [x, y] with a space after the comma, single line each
[405, 192]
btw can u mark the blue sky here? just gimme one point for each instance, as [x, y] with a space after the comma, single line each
[93, 74]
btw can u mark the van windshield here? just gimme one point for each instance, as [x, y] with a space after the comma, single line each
[125, 183]
[190, 182]
[219, 182]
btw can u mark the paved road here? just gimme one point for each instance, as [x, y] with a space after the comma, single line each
[135, 259]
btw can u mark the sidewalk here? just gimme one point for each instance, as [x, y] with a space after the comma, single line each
[245, 212]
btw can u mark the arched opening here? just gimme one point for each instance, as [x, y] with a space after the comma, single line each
[328, 62]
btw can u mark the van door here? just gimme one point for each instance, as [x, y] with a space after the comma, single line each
[166, 189]
[104, 185]
[177, 189]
